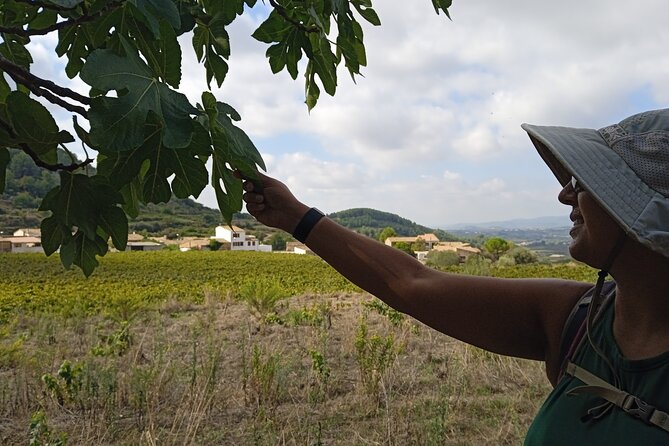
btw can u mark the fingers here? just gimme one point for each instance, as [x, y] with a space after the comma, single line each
[256, 184]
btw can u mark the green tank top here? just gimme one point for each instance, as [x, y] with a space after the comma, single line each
[558, 422]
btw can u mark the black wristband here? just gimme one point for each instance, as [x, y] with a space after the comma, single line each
[307, 223]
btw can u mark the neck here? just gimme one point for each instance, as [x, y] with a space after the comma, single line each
[641, 325]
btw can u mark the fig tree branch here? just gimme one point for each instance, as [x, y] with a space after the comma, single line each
[37, 160]
[45, 88]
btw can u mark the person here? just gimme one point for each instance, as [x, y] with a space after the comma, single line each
[616, 181]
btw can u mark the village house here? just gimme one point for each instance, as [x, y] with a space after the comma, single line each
[464, 250]
[20, 244]
[28, 232]
[430, 240]
[238, 239]
[298, 248]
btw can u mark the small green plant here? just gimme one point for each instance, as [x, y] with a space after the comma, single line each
[395, 317]
[374, 355]
[322, 372]
[317, 315]
[262, 295]
[40, 433]
[67, 383]
[260, 378]
[115, 344]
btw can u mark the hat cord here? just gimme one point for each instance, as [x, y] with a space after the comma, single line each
[601, 410]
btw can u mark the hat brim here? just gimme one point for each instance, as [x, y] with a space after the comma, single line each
[584, 154]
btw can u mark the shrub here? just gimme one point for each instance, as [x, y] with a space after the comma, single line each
[262, 295]
[442, 259]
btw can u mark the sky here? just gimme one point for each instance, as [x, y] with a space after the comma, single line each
[432, 131]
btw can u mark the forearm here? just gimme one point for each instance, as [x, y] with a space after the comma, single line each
[385, 272]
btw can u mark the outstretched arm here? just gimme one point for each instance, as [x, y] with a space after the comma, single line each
[517, 317]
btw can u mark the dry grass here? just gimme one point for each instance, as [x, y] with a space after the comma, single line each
[216, 374]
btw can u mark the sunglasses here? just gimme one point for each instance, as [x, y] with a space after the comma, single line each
[576, 186]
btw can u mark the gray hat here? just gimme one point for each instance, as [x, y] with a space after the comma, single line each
[624, 166]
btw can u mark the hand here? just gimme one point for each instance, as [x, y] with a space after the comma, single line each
[273, 205]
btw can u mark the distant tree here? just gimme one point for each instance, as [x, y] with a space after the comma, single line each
[406, 247]
[522, 255]
[419, 245]
[496, 246]
[386, 232]
[25, 200]
[215, 245]
[442, 259]
[278, 241]
[477, 265]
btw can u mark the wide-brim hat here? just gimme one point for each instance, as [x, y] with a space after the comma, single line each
[624, 166]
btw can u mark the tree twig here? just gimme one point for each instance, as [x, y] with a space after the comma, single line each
[283, 13]
[44, 88]
[37, 160]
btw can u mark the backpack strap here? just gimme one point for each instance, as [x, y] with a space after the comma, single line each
[631, 404]
[575, 325]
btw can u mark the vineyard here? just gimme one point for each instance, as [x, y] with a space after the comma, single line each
[236, 348]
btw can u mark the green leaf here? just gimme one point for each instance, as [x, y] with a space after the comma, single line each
[118, 123]
[217, 68]
[33, 125]
[86, 250]
[65, 3]
[191, 174]
[240, 150]
[170, 56]
[368, 14]
[76, 204]
[44, 19]
[68, 252]
[16, 53]
[156, 10]
[131, 198]
[4, 162]
[52, 234]
[273, 29]
[228, 189]
[83, 135]
[442, 5]
[115, 223]
[4, 88]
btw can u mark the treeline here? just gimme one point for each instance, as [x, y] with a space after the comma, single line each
[371, 222]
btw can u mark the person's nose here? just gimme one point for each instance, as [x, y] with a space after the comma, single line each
[567, 195]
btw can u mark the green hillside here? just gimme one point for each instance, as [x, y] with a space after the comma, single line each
[371, 222]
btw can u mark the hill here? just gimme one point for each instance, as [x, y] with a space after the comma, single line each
[371, 222]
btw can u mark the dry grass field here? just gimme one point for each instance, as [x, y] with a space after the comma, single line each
[249, 364]
[320, 370]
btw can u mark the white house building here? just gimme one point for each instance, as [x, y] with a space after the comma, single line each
[238, 239]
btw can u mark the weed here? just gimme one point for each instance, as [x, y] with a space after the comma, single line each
[115, 344]
[40, 433]
[67, 383]
[261, 295]
[374, 355]
[395, 317]
[260, 378]
[316, 315]
[322, 371]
